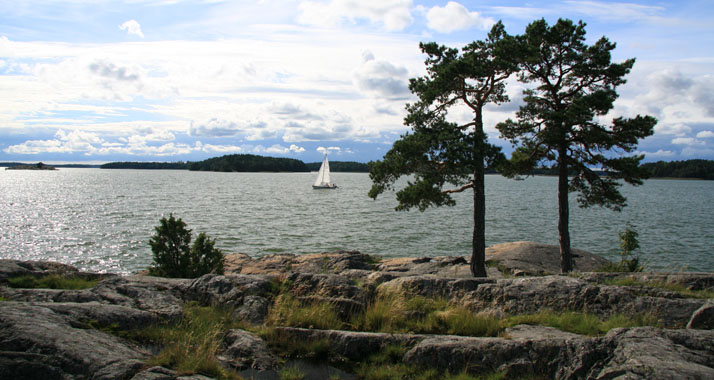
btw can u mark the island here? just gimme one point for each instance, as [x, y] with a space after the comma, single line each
[37, 166]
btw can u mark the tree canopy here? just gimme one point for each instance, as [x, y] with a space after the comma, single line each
[438, 153]
[573, 86]
[249, 163]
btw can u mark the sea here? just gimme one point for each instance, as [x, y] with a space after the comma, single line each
[101, 220]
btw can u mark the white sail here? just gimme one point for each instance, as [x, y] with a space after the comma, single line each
[323, 176]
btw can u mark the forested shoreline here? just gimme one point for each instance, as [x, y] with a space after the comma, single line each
[696, 169]
[688, 169]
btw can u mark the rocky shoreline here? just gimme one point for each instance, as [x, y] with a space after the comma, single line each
[49, 333]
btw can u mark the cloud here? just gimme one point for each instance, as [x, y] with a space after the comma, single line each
[328, 150]
[209, 148]
[687, 141]
[615, 10]
[213, 128]
[132, 28]
[454, 16]
[112, 71]
[73, 142]
[658, 154]
[705, 134]
[382, 79]
[293, 112]
[393, 15]
[279, 149]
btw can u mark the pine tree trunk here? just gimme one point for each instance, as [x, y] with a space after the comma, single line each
[566, 257]
[478, 245]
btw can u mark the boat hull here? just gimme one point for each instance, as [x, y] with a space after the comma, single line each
[327, 187]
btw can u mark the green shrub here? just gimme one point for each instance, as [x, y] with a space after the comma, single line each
[53, 281]
[174, 256]
[628, 244]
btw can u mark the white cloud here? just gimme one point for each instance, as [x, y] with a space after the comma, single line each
[687, 141]
[382, 78]
[705, 134]
[296, 149]
[72, 142]
[394, 15]
[661, 153]
[209, 148]
[672, 129]
[328, 150]
[132, 27]
[454, 16]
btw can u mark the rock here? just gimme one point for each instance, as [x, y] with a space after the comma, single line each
[14, 268]
[161, 296]
[336, 290]
[227, 290]
[529, 332]
[526, 258]
[243, 350]
[156, 373]
[703, 318]
[433, 287]
[35, 341]
[352, 345]
[651, 353]
[253, 310]
[328, 262]
[102, 315]
[639, 353]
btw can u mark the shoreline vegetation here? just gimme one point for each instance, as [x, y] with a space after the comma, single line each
[689, 169]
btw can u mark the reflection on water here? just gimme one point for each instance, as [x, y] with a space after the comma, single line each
[101, 220]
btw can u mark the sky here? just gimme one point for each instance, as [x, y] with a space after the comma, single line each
[93, 81]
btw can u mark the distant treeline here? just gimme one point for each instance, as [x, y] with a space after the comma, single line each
[146, 165]
[14, 164]
[700, 169]
[249, 163]
[341, 166]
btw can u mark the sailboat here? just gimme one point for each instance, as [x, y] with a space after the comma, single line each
[323, 177]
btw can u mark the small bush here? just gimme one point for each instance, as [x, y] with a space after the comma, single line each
[174, 256]
[53, 281]
[628, 244]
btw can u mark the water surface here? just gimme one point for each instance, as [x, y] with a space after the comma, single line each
[101, 220]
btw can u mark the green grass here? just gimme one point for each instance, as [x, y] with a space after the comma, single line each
[291, 373]
[673, 287]
[396, 314]
[190, 346]
[289, 311]
[580, 323]
[287, 347]
[51, 282]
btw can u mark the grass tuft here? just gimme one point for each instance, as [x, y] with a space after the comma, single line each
[580, 323]
[672, 287]
[289, 311]
[190, 346]
[291, 373]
